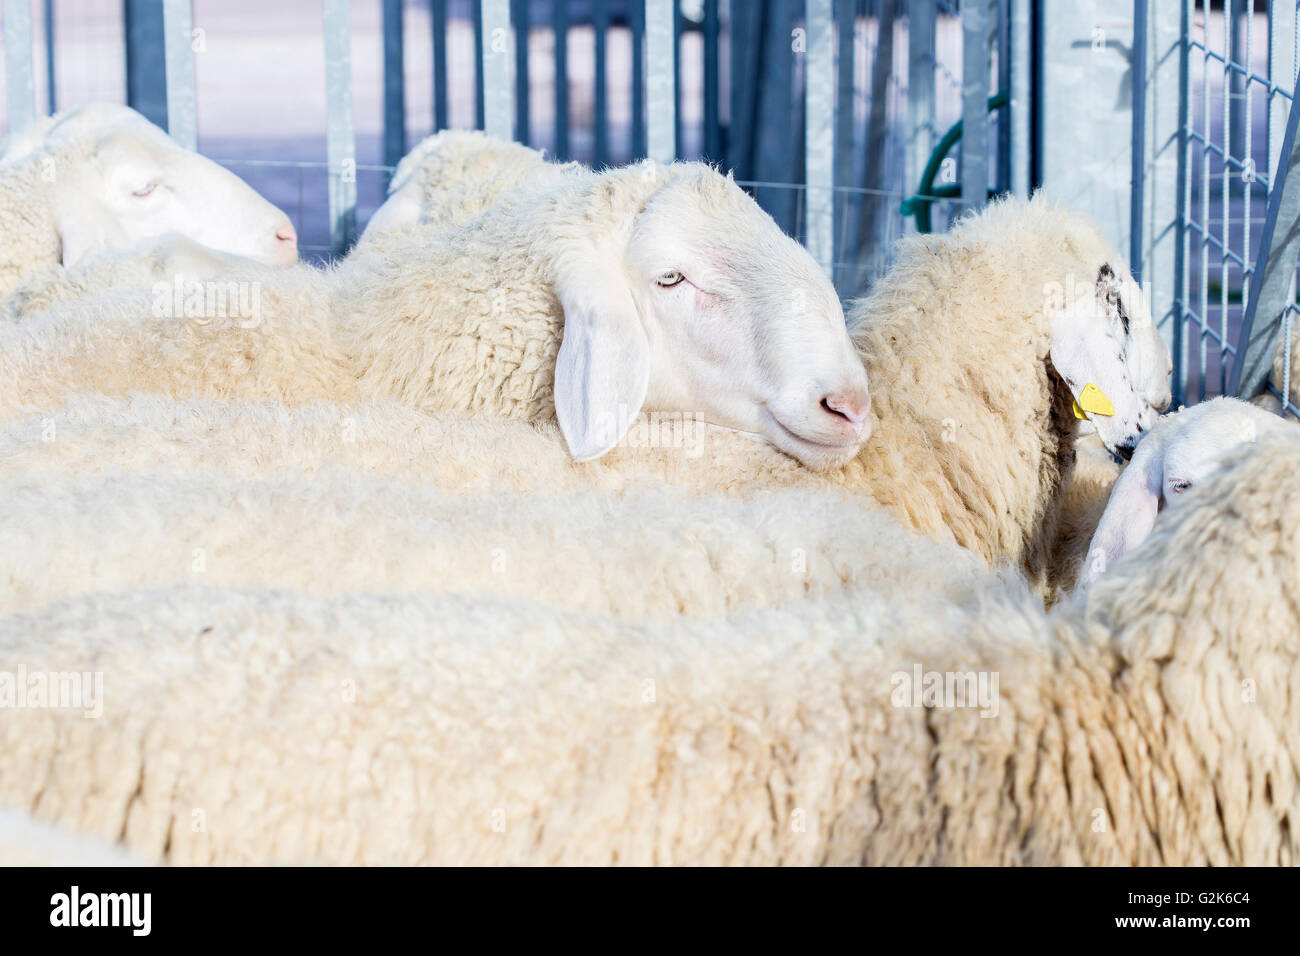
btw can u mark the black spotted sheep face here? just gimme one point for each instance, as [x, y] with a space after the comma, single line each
[1108, 351]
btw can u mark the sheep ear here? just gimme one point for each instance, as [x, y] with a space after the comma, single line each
[603, 368]
[1130, 513]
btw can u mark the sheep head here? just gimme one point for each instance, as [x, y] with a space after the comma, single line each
[1106, 348]
[687, 297]
[1180, 452]
[133, 183]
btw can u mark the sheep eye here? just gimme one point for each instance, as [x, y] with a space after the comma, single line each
[670, 279]
[145, 190]
[1179, 486]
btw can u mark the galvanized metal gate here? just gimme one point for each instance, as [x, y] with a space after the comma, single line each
[1212, 188]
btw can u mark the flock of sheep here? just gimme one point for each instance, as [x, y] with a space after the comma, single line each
[567, 520]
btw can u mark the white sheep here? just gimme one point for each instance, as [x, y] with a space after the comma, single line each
[342, 531]
[982, 341]
[102, 177]
[657, 287]
[1149, 722]
[454, 174]
[1181, 451]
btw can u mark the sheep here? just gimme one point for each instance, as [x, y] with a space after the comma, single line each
[453, 175]
[102, 177]
[1179, 453]
[1148, 721]
[711, 557]
[162, 260]
[1280, 378]
[972, 440]
[475, 323]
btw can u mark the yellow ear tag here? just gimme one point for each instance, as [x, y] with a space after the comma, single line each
[1094, 400]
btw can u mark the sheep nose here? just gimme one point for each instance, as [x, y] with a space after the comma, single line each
[851, 405]
[286, 233]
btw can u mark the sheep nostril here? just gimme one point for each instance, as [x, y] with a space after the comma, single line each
[286, 233]
[850, 407]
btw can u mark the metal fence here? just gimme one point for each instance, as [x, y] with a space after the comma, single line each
[1227, 224]
[827, 110]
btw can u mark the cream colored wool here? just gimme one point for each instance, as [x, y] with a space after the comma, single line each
[1150, 723]
[972, 428]
[453, 175]
[1278, 376]
[648, 554]
[31, 240]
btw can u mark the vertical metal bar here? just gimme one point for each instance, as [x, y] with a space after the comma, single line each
[495, 67]
[712, 85]
[560, 27]
[394, 84]
[636, 22]
[178, 35]
[341, 144]
[19, 76]
[1184, 200]
[1021, 101]
[819, 132]
[920, 90]
[476, 16]
[661, 60]
[438, 14]
[1004, 86]
[523, 86]
[845, 171]
[974, 105]
[51, 87]
[678, 136]
[1281, 75]
[146, 76]
[1271, 281]
[600, 26]
[1138, 154]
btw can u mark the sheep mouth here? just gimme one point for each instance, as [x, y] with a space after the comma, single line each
[812, 450]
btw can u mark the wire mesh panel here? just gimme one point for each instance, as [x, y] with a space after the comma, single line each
[1240, 74]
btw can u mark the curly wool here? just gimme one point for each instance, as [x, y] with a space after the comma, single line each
[31, 242]
[1149, 723]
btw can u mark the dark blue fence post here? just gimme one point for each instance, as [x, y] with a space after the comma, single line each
[146, 67]
[712, 84]
[394, 84]
[50, 85]
[438, 14]
[600, 24]
[560, 23]
[523, 88]
[636, 23]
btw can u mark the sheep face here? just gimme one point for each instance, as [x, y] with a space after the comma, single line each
[1108, 351]
[1180, 452]
[736, 323]
[136, 183]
